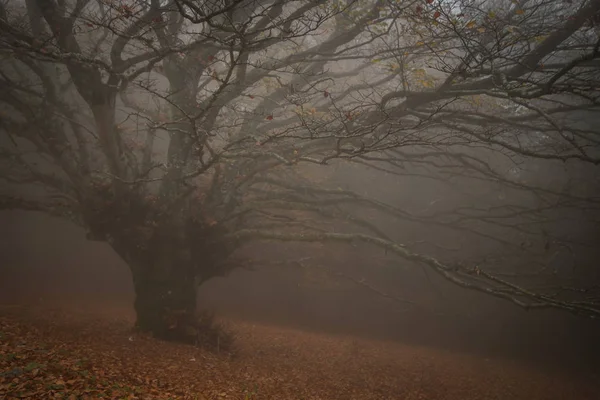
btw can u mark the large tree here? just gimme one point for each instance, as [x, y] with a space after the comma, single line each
[179, 130]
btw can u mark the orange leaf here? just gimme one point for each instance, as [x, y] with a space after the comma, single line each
[269, 117]
[436, 15]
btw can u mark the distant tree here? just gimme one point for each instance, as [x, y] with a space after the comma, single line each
[179, 130]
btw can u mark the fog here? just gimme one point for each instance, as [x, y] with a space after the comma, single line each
[354, 199]
[49, 262]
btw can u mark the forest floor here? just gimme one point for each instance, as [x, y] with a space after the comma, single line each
[75, 353]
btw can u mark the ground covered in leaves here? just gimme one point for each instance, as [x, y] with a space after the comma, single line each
[66, 354]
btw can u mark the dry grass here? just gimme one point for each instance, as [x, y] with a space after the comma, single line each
[60, 353]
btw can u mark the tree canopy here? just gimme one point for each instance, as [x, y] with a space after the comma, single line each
[460, 135]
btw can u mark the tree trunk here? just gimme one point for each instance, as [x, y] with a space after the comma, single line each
[165, 307]
[165, 290]
[168, 257]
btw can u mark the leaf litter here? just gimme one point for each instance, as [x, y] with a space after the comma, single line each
[70, 355]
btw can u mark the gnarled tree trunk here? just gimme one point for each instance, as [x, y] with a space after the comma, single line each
[165, 305]
[165, 287]
[170, 251]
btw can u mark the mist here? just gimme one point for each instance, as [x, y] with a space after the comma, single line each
[354, 199]
[49, 263]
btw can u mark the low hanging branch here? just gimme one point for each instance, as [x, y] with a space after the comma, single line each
[468, 278]
[167, 124]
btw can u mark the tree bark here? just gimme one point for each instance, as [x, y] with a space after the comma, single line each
[165, 306]
[165, 290]
[169, 256]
